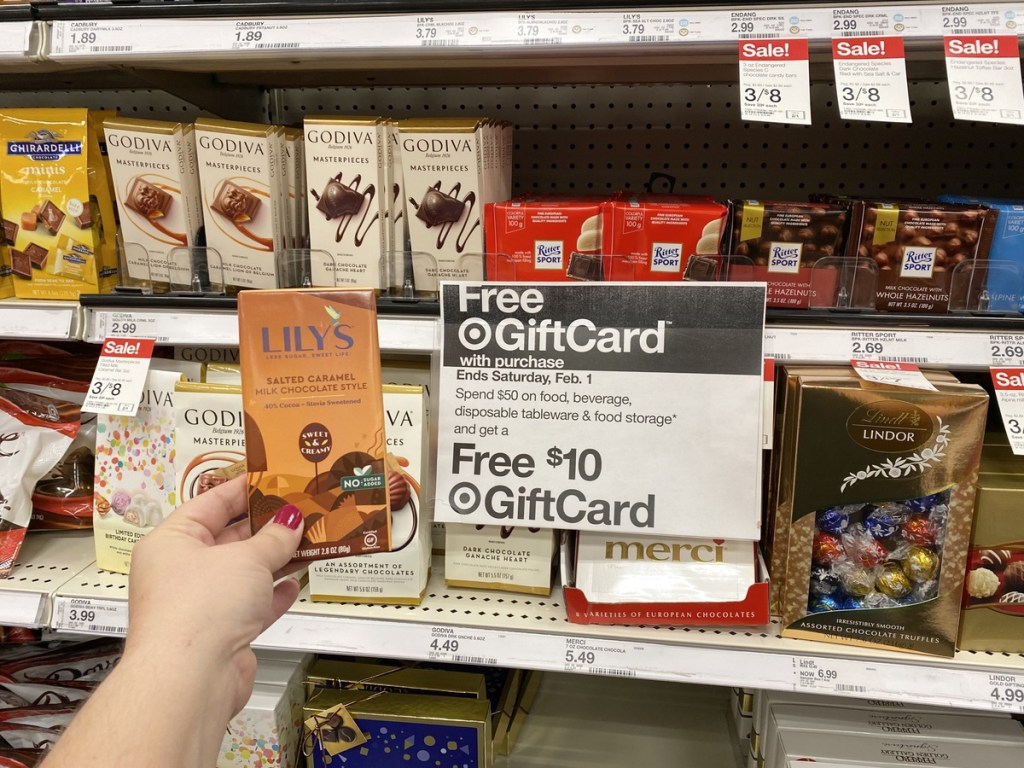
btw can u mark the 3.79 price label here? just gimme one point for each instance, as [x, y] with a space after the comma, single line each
[559, 403]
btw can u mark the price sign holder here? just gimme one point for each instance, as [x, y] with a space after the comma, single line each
[871, 78]
[120, 376]
[557, 401]
[775, 84]
[1009, 387]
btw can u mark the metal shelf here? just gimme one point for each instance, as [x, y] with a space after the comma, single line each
[533, 633]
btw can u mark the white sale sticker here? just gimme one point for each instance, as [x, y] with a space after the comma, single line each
[1009, 386]
[983, 72]
[871, 78]
[895, 374]
[775, 83]
[120, 376]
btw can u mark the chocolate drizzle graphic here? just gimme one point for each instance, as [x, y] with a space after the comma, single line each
[240, 205]
[343, 201]
[445, 209]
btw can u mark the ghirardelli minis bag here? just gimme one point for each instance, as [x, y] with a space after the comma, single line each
[35, 431]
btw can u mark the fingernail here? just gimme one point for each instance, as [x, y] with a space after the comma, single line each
[289, 516]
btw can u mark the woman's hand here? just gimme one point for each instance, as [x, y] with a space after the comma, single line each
[205, 589]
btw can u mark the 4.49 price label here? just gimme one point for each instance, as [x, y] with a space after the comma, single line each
[774, 81]
[560, 403]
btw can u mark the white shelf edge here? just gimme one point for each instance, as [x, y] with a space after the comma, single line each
[11, 32]
[46, 562]
[280, 38]
[45, 320]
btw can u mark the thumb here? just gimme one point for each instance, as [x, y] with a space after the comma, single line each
[275, 543]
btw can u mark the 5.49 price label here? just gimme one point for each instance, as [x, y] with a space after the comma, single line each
[560, 401]
[774, 81]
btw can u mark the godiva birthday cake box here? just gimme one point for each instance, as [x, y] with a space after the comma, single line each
[878, 511]
[314, 417]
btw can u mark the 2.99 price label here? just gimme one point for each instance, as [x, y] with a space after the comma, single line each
[559, 403]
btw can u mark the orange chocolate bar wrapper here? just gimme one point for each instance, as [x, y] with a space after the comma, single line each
[314, 416]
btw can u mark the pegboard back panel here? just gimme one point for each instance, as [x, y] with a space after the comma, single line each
[690, 139]
[143, 103]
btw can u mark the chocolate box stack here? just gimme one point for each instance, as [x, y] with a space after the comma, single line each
[873, 510]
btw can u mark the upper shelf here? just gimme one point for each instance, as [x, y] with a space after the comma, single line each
[398, 44]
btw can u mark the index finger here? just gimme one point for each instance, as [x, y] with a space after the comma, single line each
[210, 512]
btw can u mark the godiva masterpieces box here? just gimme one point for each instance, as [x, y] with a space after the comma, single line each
[314, 416]
[241, 193]
[878, 511]
[401, 729]
[58, 220]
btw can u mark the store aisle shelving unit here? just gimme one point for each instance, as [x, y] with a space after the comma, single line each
[584, 126]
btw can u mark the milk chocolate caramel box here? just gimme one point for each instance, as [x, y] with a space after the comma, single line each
[314, 416]
[238, 172]
[785, 242]
[918, 247]
[447, 184]
[879, 507]
[348, 198]
[60, 233]
[157, 192]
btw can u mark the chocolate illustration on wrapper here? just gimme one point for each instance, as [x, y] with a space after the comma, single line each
[344, 202]
[444, 210]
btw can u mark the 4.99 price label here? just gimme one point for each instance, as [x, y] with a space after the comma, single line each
[560, 404]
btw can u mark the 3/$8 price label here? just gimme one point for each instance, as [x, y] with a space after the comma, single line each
[774, 80]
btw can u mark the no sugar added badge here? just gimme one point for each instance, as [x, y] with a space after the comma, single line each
[559, 403]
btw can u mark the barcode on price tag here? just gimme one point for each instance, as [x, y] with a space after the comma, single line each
[101, 617]
[120, 376]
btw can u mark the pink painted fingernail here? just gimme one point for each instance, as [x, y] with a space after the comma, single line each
[289, 516]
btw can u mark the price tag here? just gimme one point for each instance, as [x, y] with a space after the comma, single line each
[441, 31]
[894, 374]
[983, 19]
[1009, 386]
[1006, 691]
[166, 327]
[648, 28]
[871, 78]
[819, 675]
[885, 345]
[873, 21]
[262, 36]
[460, 645]
[983, 72]
[598, 657]
[69, 38]
[120, 376]
[558, 399]
[102, 617]
[769, 25]
[1005, 349]
[540, 29]
[774, 81]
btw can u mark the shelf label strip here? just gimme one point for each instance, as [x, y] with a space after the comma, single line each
[90, 615]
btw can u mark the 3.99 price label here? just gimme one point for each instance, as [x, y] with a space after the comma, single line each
[558, 402]
[774, 81]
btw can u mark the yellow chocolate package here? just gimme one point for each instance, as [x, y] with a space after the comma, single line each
[56, 202]
[6, 276]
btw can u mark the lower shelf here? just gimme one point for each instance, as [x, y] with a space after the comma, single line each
[588, 722]
[500, 628]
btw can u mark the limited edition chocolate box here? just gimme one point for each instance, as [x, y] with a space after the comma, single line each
[876, 511]
[314, 417]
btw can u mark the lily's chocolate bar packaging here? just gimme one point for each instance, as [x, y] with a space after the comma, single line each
[314, 417]
[878, 508]
[348, 198]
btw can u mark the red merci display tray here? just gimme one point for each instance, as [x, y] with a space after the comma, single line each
[751, 611]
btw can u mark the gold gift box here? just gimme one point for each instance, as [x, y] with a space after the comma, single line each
[395, 678]
[852, 444]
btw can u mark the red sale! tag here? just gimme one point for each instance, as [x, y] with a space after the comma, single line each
[983, 72]
[895, 374]
[871, 78]
[774, 81]
[120, 376]
[1009, 386]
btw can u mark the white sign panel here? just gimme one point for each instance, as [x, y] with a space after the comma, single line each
[608, 407]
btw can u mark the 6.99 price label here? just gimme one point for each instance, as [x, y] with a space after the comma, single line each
[774, 81]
